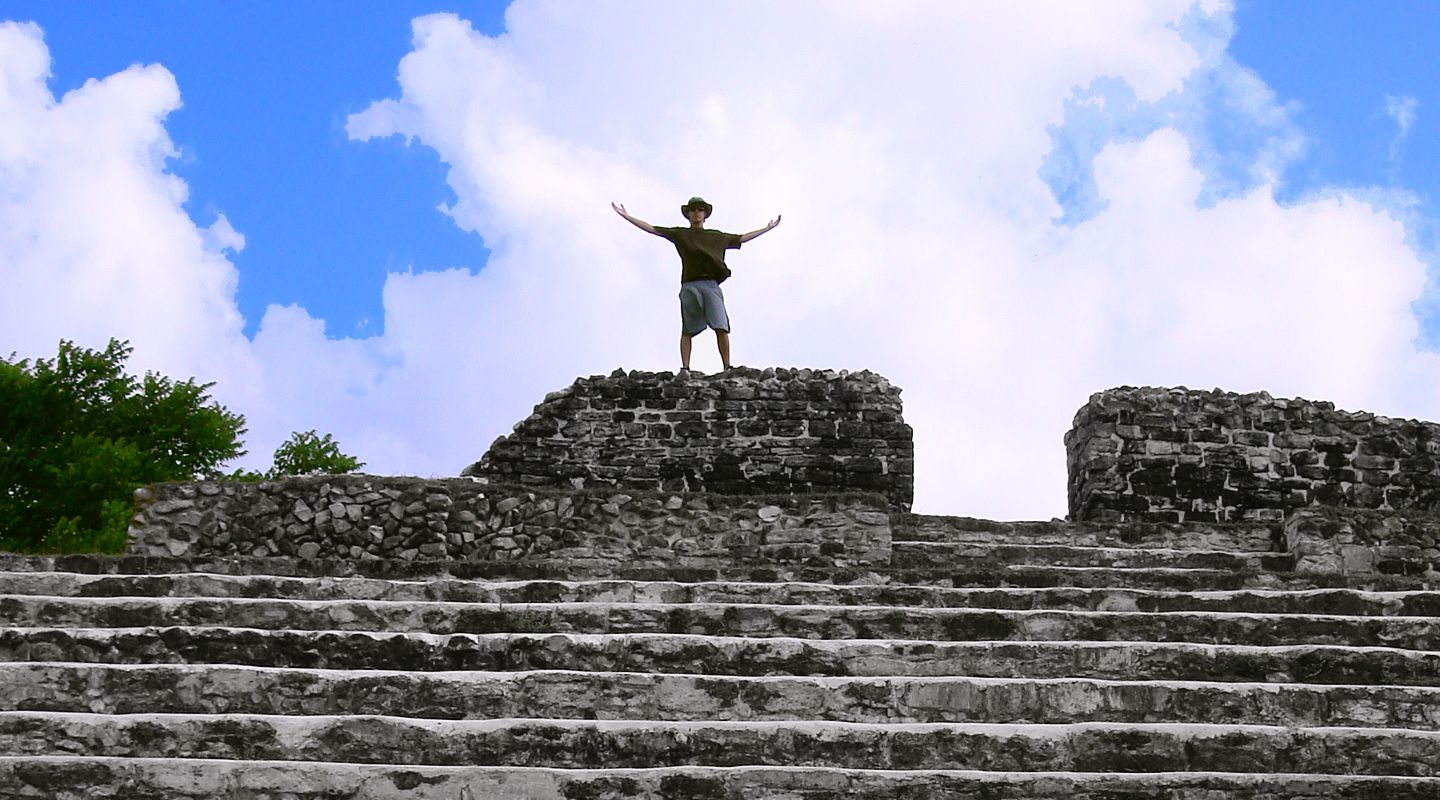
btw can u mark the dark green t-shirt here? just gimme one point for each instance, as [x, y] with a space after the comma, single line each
[702, 252]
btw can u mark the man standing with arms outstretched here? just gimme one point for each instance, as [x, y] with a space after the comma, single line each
[702, 270]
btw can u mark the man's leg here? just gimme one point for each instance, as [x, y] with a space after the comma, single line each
[722, 340]
[685, 350]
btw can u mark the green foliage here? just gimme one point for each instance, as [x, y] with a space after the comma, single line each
[302, 454]
[78, 435]
[309, 454]
[67, 535]
[248, 475]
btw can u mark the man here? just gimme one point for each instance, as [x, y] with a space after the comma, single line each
[702, 270]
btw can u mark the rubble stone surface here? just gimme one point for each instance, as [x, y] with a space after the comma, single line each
[1182, 455]
[370, 517]
[739, 432]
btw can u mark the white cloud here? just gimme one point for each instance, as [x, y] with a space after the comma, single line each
[221, 235]
[903, 148]
[1400, 108]
[93, 240]
[903, 143]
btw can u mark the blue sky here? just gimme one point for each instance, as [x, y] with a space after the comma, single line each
[1341, 61]
[267, 87]
[1001, 207]
[1352, 71]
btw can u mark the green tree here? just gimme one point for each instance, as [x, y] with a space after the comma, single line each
[309, 454]
[78, 435]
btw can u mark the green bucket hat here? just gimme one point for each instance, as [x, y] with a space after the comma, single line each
[696, 202]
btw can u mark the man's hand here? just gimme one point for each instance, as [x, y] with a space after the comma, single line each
[769, 226]
[639, 223]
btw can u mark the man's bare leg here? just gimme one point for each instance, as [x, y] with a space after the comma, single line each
[722, 340]
[685, 350]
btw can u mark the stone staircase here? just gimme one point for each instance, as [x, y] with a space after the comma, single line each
[988, 660]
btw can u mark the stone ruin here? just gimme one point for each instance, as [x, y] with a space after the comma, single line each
[742, 431]
[711, 587]
[812, 467]
[370, 518]
[1181, 455]
[779, 465]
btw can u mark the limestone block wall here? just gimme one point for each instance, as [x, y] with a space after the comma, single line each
[1187, 455]
[368, 517]
[1363, 542]
[740, 432]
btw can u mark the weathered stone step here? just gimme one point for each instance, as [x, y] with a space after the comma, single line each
[718, 655]
[416, 569]
[1165, 579]
[978, 573]
[204, 689]
[591, 744]
[973, 572]
[910, 555]
[1245, 537]
[982, 573]
[817, 622]
[86, 778]
[1316, 601]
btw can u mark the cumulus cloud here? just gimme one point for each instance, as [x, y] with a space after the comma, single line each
[95, 243]
[905, 150]
[93, 240]
[923, 238]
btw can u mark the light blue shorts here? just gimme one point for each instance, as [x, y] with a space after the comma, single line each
[702, 305]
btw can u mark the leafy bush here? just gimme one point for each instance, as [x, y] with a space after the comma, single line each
[309, 454]
[78, 436]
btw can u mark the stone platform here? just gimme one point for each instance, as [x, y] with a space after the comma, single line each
[962, 659]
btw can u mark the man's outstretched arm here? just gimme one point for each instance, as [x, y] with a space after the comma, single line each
[769, 226]
[637, 222]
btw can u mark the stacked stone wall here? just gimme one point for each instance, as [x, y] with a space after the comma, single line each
[1186, 455]
[1362, 543]
[367, 517]
[743, 431]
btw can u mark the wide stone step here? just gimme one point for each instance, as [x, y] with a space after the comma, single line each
[419, 569]
[1247, 537]
[203, 689]
[818, 622]
[86, 778]
[969, 573]
[991, 574]
[717, 655]
[909, 555]
[1315, 601]
[590, 744]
